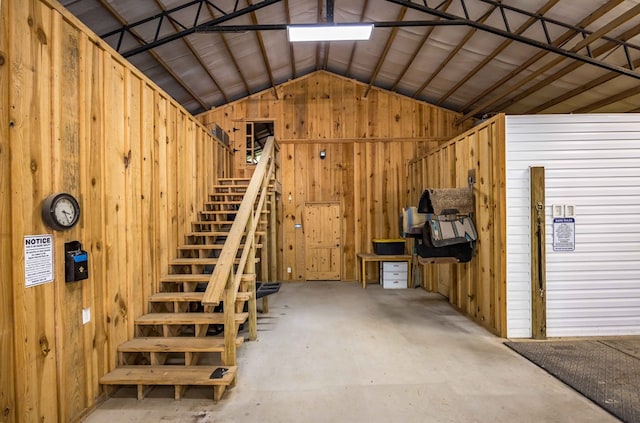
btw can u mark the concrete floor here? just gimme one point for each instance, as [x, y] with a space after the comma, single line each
[333, 352]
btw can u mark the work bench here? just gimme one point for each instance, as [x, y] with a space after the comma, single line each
[364, 258]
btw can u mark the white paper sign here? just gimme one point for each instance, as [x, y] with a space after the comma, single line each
[564, 234]
[38, 259]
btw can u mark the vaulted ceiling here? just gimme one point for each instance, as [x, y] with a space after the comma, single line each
[476, 57]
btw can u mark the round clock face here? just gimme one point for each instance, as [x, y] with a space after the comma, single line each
[60, 211]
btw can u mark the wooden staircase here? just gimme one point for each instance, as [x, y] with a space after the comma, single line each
[175, 342]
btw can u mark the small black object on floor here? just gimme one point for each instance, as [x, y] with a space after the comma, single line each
[266, 288]
[605, 371]
[262, 290]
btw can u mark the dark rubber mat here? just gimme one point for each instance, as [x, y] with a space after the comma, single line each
[606, 372]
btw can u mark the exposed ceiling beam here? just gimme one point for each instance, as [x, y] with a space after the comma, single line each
[453, 53]
[576, 91]
[292, 55]
[387, 47]
[445, 5]
[158, 20]
[319, 18]
[353, 48]
[488, 105]
[263, 50]
[543, 45]
[568, 69]
[231, 55]
[196, 55]
[156, 57]
[609, 100]
[544, 9]
[560, 40]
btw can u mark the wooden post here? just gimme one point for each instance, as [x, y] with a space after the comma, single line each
[273, 248]
[250, 268]
[229, 298]
[538, 254]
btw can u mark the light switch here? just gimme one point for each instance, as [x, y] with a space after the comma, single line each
[569, 210]
[86, 315]
[558, 210]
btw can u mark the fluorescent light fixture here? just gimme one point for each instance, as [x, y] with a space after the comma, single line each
[341, 32]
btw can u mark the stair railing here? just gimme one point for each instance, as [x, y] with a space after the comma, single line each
[225, 280]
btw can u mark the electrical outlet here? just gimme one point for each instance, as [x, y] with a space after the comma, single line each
[86, 315]
[288, 270]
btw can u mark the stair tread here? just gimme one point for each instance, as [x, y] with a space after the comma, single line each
[176, 344]
[176, 296]
[196, 277]
[201, 261]
[217, 233]
[218, 222]
[208, 246]
[167, 375]
[228, 202]
[189, 296]
[186, 318]
[182, 277]
[225, 211]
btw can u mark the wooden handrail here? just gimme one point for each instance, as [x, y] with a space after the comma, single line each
[245, 223]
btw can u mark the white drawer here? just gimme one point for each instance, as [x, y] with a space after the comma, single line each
[394, 266]
[394, 275]
[394, 283]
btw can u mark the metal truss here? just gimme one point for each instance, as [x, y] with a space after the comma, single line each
[194, 8]
[583, 53]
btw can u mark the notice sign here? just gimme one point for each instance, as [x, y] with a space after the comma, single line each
[38, 259]
[564, 234]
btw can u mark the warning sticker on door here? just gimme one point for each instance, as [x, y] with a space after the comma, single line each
[564, 234]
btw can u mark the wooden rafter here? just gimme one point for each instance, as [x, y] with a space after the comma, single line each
[548, 25]
[292, 56]
[609, 100]
[387, 47]
[562, 39]
[526, 65]
[506, 43]
[568, 69]
[325, 59]
[156, 57]
[263, 50]
[231, 55]
[319, 45]
[421, 44]
[579, 90]
[454, 52]
[196, 55]
[353, 48]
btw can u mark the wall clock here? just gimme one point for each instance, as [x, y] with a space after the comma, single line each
[60, 211]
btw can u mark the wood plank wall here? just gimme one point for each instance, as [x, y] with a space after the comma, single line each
[76, 117]
[368, 143]
[7, 362]
[477, 288]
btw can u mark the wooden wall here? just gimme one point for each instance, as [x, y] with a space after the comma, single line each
[76, 117]
[478, 288]
[368, 142]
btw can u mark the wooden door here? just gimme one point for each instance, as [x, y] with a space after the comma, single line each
[323, 241]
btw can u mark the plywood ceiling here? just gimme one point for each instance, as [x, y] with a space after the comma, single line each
[476, 57]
